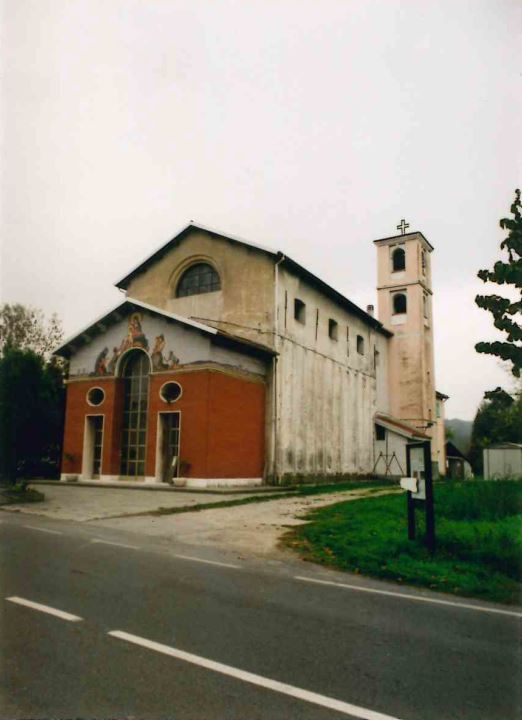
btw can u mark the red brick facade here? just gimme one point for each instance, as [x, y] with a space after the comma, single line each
[222, 424]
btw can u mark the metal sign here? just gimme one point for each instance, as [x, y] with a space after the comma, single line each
[418, 463]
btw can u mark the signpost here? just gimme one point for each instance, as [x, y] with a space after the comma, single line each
[419, 487]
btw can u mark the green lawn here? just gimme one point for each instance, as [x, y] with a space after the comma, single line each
[479, 540]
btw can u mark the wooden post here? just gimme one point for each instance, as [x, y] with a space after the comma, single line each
[410, 503]
[429, 505]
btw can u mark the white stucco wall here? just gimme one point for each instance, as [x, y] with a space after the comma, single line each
[502, 462]
[391, 453]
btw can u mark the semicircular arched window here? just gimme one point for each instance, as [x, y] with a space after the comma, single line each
[398, 260]
[198, 279]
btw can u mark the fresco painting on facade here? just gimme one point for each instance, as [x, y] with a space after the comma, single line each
[158, 361]
[135, 338]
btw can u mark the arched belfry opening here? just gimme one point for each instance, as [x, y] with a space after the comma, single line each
[398, 260]
[400, 304]
[134, 370]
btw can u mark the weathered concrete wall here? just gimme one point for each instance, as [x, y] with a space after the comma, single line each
[326, 389]
[245, 304]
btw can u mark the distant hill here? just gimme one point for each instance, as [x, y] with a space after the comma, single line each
[461, 433]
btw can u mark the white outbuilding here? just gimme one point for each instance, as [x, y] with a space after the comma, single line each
[503, 460]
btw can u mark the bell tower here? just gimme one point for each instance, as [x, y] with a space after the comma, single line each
[405, 307]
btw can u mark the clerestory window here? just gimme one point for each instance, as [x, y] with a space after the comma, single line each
[300, 311]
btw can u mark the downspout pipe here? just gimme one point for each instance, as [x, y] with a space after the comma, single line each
[275, 402]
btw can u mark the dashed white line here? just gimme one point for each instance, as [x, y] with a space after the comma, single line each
[45, 530]
[44, 608]
[116, 544]
[406, 596]
[275, 685]
[208, 562]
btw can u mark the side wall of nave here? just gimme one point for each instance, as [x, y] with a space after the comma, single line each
[331, 379]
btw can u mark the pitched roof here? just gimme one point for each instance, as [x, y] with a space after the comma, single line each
[399, 426]
[452, 451]
[403, 238]
[219, 337]
[278, 256]
[504, 446]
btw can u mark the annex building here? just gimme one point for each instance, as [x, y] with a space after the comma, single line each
[230, 363]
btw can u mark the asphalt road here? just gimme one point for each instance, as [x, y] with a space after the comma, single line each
[195, 639]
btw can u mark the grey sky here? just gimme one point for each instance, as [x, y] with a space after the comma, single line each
[313, 127]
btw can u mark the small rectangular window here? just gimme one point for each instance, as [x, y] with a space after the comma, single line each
[360, 344]
[347, 341]
[300, 311]
[333, 329]
[380, 432]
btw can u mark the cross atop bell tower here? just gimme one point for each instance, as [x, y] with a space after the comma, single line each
[402, 226]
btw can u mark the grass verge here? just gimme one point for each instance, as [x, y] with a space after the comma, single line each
[479, 540]
[13, 494]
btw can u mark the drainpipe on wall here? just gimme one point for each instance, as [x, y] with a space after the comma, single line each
[275, 404]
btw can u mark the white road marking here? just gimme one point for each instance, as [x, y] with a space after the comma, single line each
[208, 562]
[117, 544]
[275, 685]
[51, 532]
[405, 596]
[44, 608]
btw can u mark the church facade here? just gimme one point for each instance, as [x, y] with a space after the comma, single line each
[230, 363]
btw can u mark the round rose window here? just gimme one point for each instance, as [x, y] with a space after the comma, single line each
[95, 396]
[170, 392]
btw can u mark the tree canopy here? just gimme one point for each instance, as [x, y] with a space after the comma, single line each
[26, 328]
[505, 311]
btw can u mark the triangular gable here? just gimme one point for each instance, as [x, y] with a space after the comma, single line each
[278, 256]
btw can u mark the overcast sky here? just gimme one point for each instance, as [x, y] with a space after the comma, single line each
[309, 126]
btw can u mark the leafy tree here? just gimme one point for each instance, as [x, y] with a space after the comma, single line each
[27, 328]
[498, 419]
[32, 392]
[31, 412]
[504, 311]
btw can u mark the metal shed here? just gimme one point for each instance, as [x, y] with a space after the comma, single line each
[503, 460]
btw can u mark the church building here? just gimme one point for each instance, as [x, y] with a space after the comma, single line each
[229, 363]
